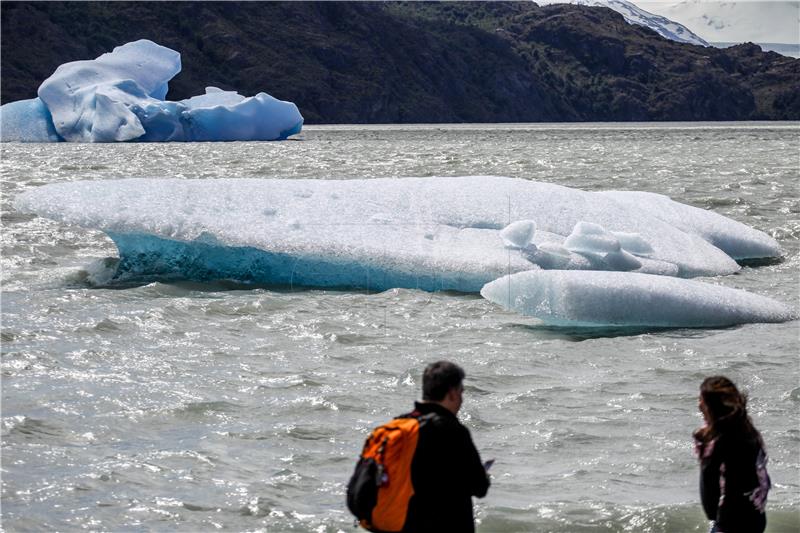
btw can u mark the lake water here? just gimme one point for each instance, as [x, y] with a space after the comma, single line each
[196, 407]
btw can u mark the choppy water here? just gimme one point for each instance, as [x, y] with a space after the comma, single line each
[194, 407]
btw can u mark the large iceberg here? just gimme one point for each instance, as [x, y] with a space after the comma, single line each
[120, 97]
[455, 225]
[432, 234]
[581, 299]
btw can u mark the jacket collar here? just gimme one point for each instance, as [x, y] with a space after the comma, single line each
[430, 407]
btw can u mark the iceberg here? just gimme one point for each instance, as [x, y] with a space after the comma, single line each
[27, 121]
[428, 233]
[602, 299]
[120, 96]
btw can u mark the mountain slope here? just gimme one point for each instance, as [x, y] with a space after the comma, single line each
[636, 15]
[414, 62]
[767, 23]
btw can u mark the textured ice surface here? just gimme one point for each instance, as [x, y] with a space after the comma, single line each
[587, 237]
[744, 243]
[228, 116]
[120, 97]
[94, 100]
[571, 298]
[27, 121]
[518, 234]
[427, 233]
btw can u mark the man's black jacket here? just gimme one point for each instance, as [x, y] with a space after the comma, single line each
[446, 472]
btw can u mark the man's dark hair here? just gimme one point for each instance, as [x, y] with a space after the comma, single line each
[439, 378]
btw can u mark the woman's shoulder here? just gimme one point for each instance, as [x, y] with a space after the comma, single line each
[740, 443]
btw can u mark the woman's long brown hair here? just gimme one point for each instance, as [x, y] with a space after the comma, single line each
[726, 409]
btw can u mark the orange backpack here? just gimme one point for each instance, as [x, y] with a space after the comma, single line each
[380, 488]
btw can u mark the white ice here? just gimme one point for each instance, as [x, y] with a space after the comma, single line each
[432, 225]
[556, 246]
[580, 299]
[745, 243]
[518, 234]
[120, 97]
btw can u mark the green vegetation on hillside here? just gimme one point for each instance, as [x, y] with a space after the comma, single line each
[369, 62]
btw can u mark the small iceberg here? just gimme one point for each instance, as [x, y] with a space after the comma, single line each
[120, 96]
[603, 299]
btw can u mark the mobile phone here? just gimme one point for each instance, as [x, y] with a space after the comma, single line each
[488, 464]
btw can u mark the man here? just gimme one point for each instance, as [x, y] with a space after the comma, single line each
[446, 470]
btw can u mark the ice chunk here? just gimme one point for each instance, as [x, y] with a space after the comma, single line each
[214, 97]
[245, 120]
[621, 260]
[572, 298]
[633, 243]
[733, 238]
[120, 97]
[90, 101]
[591, 238]
[27, 121]
[518, 234]
[442, 231]
[550, 255]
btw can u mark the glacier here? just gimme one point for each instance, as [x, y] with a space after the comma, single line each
[435, 234]
[602, 299]
[120, 96]
[634, 14]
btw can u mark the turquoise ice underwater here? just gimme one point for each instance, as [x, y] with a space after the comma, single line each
[160, 403]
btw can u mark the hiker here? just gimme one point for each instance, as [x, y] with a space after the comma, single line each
[447, 470]
[733, 461]
[418, 472]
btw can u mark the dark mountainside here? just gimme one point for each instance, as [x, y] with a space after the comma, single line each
[414, 62]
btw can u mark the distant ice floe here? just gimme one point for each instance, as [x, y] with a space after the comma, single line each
[120, 97]
[422, 233]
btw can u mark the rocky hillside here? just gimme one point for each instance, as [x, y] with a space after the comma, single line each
[414, 62]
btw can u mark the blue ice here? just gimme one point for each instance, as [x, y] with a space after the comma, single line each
[120, 96]
[27, 121]
[146, 257]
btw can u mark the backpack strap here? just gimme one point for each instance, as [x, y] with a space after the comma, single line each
[422, 419]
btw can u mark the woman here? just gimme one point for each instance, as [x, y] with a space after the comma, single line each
[733, 464]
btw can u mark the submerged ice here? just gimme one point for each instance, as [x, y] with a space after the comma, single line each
[120, 96]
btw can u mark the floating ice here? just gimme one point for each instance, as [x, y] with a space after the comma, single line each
[621, 260]
[744, 243]
[633, 243]
[551, 256]
[228, 116]
[591, 238]
[426, 233]
[518, 234]
[27, 121]
[580, 299]
[120, 97]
